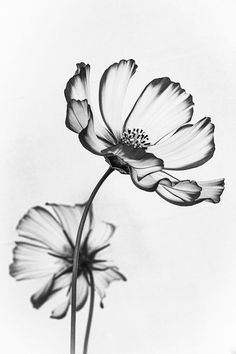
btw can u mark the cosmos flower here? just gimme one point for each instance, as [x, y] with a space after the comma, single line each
[46, 251]
[152, 140]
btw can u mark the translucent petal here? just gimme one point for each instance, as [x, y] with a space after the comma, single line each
[100, 236]
[211, 190]
[137, 158]
[102, 279]
[61, 310]
[81, 292]
[112, 90]
[91, 141]
[183, 193]
[32, 261]
[190, 146]
[147, 183]
[40, 226]
[78, 87]
[162, 107]
[179, 193]
[78, 115]
[69, 217]
[43, 294]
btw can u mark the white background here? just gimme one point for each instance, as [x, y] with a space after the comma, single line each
[180, 297]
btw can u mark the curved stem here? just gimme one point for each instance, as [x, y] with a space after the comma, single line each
[90, 315]
[76, 259]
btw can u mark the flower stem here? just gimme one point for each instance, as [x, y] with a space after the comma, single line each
[76, 258]
[90, 315]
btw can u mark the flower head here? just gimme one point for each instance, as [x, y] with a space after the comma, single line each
[154, 138]
[46, 251]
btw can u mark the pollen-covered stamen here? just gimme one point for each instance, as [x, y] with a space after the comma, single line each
[135, 137]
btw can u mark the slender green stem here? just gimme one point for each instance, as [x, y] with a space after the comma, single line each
[90, 315]
[76, 259]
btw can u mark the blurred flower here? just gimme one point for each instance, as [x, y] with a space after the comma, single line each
[151, 140]
[47, 248]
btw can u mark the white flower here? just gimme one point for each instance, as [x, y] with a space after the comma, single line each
[154, 138]
[46, 251]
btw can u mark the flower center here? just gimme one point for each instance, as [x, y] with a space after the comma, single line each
[84, 260]
[137, 138]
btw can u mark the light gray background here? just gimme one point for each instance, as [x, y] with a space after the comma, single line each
[180, 262]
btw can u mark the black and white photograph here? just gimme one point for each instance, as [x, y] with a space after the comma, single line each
[118, 224]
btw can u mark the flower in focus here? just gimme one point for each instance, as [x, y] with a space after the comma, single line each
[46, 251]
[154, 138]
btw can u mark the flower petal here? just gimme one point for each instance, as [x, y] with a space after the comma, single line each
[43, 294]
[61, 310]
[162, 107]
[189, 147]
[140, 173]
[53, 286]
[211, 190]
[180, 193]
[77, 87]
[100, 236]
[102, 280]
[183, 193]
[32, 261]
[79, 111]
[112, 90]
[91, 141]
[149, 182]
[63, 281]
[70, 216]
[81, 292]
[137, 158]
[40, 226]
[78, 115]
